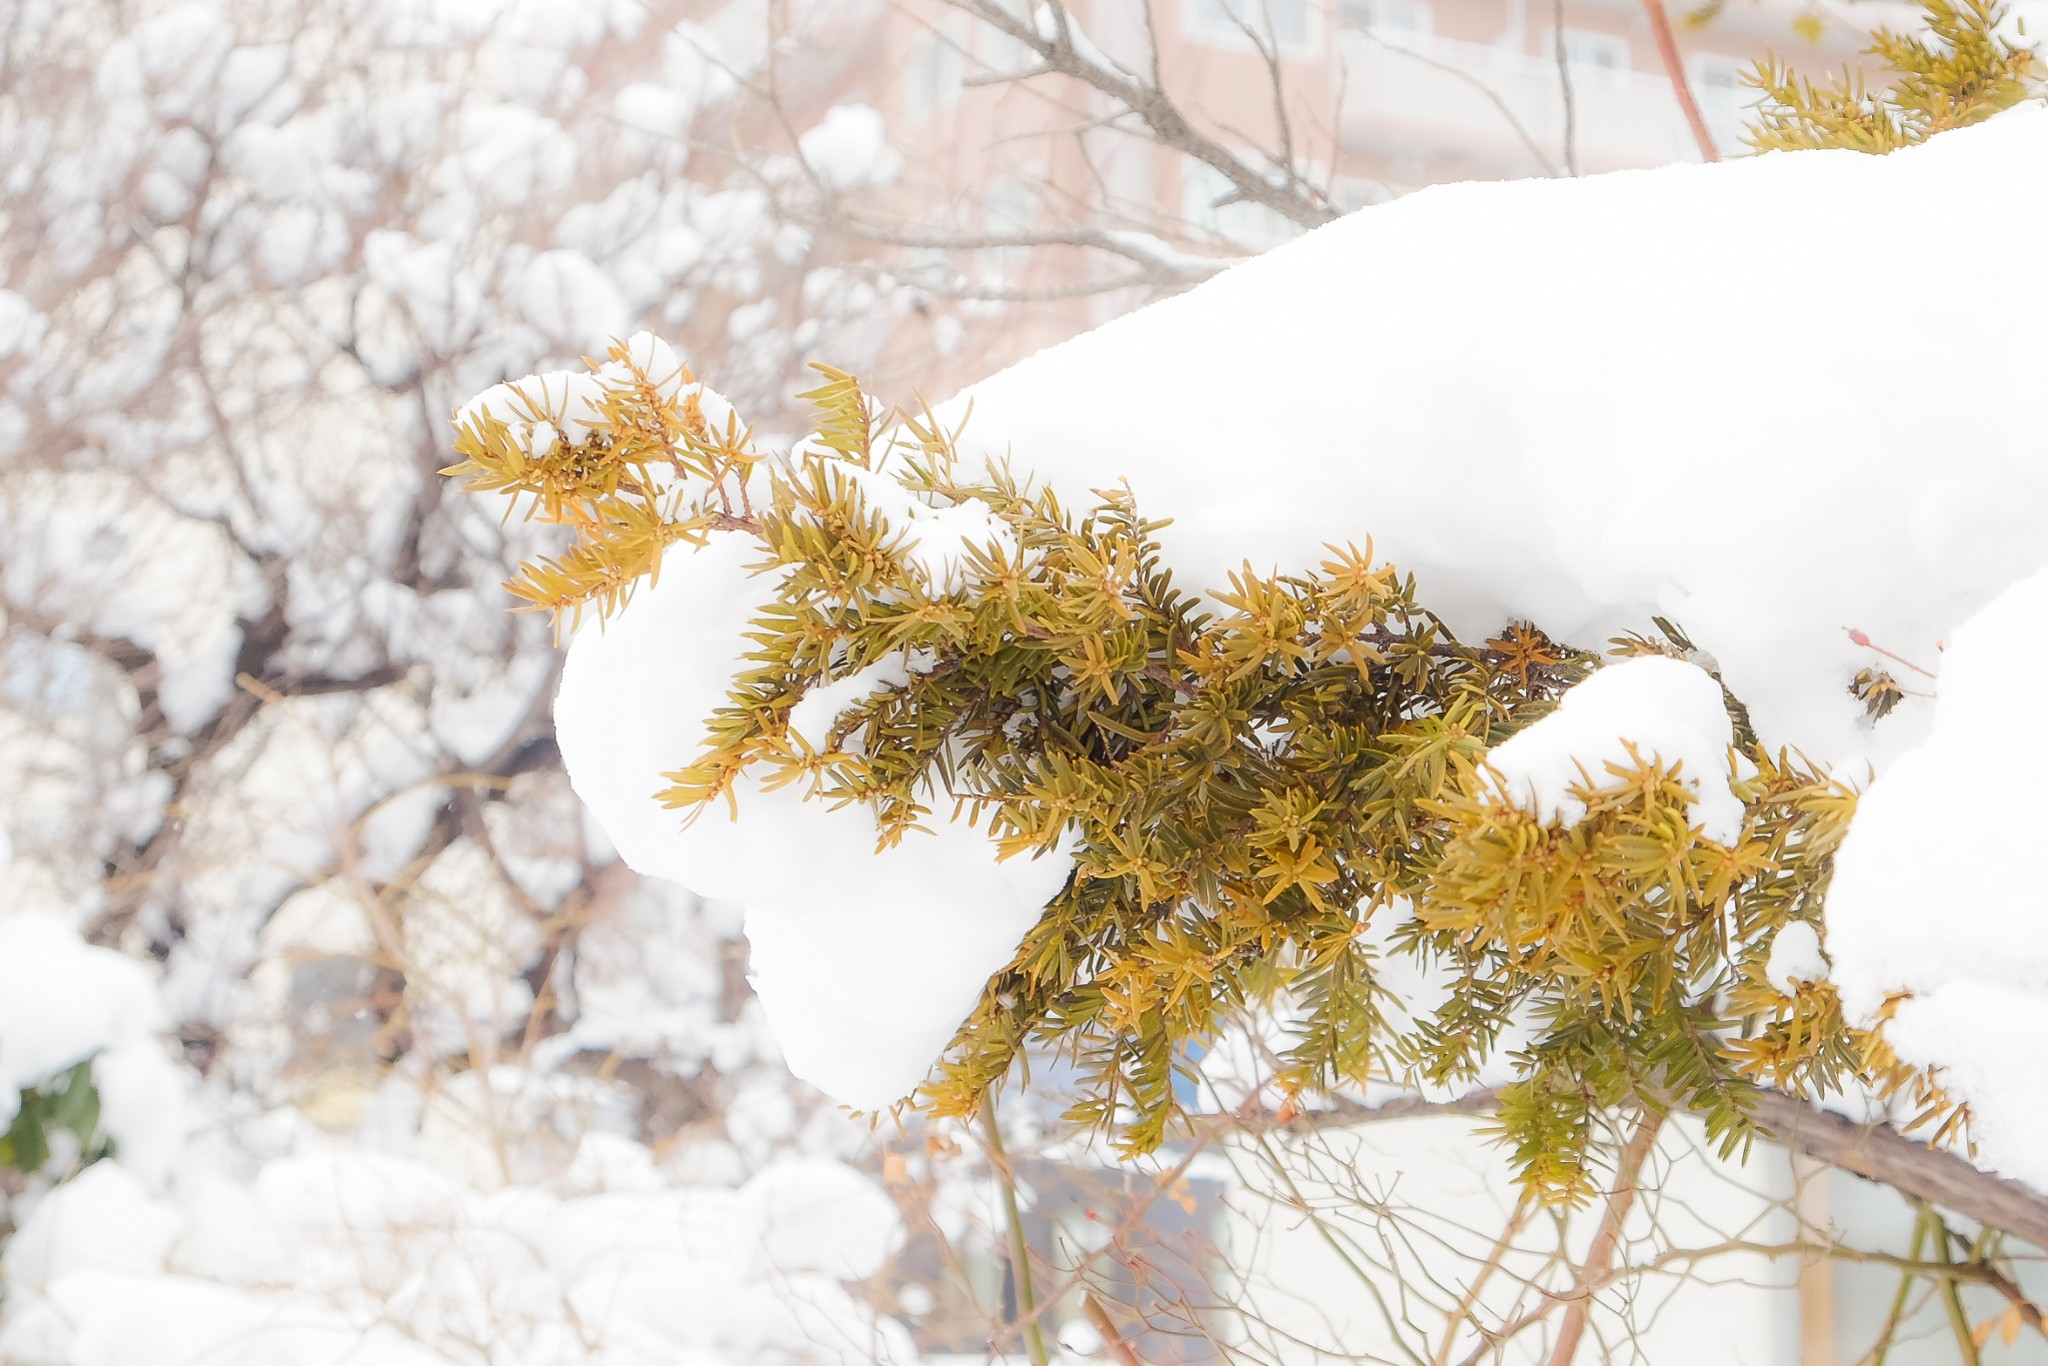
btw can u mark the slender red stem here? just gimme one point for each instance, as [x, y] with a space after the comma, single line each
[1674, 67]
[1607, 1238]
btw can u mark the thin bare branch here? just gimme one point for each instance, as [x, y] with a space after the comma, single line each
[1175, 270]
[1564, 84]
[1674, 70]
[1607, 1239]
[1493, 96]
[1887, 1156]
[1162, 117]
[1877, 1152]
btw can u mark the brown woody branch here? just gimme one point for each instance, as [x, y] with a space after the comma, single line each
[1599, 1262]
[1674, 70]
[1155, 268]
[1876, 1152]
[1882, 1154]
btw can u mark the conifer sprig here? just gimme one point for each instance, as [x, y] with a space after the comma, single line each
[626, 458]
[1248, 783]
[1961, 72]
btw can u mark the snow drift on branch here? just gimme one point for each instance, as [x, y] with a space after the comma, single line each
[1938, 890]
[1564, 422]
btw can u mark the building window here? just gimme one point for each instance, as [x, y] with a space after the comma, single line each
[999, 51]
[1008, 209]
[1391, 18]
[1596, 55]
[1717, 87]
[932, 71]
[1289, 24]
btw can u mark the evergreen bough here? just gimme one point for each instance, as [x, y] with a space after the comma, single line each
[1249, 782]
[1960, 72]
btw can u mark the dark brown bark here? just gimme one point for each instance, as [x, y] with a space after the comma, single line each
[1884, 1155]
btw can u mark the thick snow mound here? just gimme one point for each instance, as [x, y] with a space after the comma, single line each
[1795, 958]
[1582, 402]
[822, 1216]
[347, 1257]
[1938, 888]
[62, 1002]
[1669, 710]
[865, 962]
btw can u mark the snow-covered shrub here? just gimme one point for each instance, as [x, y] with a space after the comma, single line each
[1216, 800]
[1248, 797]
[296, 875]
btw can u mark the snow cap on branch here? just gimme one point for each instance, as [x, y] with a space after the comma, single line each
[1538, 425]
[1656, 707]
[1938, 893]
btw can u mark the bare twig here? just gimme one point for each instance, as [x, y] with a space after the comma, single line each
[1564, 83]
[1158, 268]
[1674, 69]
[2028, 1311]
[1857, 637]
[1550, 167]
[1162, 117]
[1898, 1306]
[1269, 53]
[1606, 1239]
[1341, 1114]
[1470, 1299]
[1152, 43]
[1877, 1152]
[1951, 1294]
[1112, 1336]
